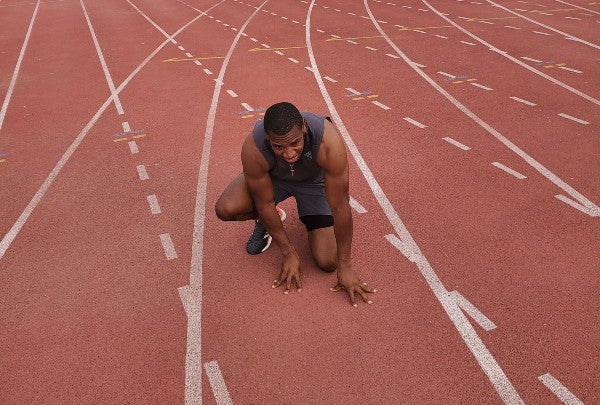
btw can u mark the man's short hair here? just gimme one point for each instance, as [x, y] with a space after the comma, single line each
[280, 118]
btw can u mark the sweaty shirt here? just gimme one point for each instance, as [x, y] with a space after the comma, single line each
[305, 170]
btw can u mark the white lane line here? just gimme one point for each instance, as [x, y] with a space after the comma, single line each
[232, 93]
[568, 69]
[573, 18]
[191, 294]
[511, 27]
[253, 39]
[441, 36]
[181, 48]
[579, 7]
[468, 43]
[265, 46]
[381, 105]
[481, 86]
[329, 79]
[133, 148]
[520, 100]
[168, 247]
[456, 143]
[447, 75]
[351, 90]
[207, 71]
[357, 206]
[541, 33]
[543, 25]
[561, 392]
[570, 117]
[279, 53]
[109, 80]
[391, 55]
[142, 172]
[197, 62]
[126, 127]
[352, 42]
[293, 60]
[414, 122]
[531, 59]
[153, 203]
[578, 206]
[509, 170]
[10, 236]
[217, 383]
[370, 48]
[15, 74]
[247, 107]
[472, 311]
[481, 353]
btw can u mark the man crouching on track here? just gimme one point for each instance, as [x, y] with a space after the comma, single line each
[301, 155]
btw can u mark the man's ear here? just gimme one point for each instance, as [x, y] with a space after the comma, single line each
[304, 125]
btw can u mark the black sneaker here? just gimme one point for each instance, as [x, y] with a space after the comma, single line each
[260, 240]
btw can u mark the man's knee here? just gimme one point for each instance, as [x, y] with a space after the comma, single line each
[327, 264]
[224, 210]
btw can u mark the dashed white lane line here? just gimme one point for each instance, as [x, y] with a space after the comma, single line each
[541, 33]
[456, 143]
[447, 75]
[441, 36]
[570, 117]
[391, 55]
[370, 48]
[381, 105]
[351, 90]
[247, 106]
[153, 203]
[468, 43]
[207, 71]
[133, 148]
[520, 100]
[126, 126]
[329, 79]
[568, 69]
[293, 60]
[142, 172]
[169, 248]
[357, 206]
[414, 122]
[481, 86]
[531, 59]
[181, 48]
[566, 396]
[189, 55]
[232, 93]
[511, 27]
[509, 170]
[197, 62]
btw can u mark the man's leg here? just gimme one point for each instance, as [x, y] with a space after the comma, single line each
[321, 240]
[236, 203]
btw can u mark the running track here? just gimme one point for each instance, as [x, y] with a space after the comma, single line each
[473, 135]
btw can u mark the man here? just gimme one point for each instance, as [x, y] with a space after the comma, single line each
[301, 155]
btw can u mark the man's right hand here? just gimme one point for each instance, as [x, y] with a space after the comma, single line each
[290, 271]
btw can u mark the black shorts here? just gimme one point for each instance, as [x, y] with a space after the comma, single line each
[311, 201]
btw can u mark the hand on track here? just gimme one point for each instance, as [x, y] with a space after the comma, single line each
[348, 281]
[290, 272]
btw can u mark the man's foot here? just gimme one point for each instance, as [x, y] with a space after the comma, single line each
[260, 240]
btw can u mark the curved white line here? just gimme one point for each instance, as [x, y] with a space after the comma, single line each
[109, 80]
[192, 294]
[43, 189]
[13, 80]
[568, 36]
[515, 60]
[463, 326]
[579, 7]
[593, 209]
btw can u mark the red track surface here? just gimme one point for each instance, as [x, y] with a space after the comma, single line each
[93, 309]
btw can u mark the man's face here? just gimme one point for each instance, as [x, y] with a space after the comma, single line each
[289, 146]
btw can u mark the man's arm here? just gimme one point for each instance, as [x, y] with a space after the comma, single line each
[260, 186]
[332, 157]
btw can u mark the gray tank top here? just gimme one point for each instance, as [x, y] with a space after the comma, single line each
[304, 170]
